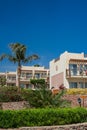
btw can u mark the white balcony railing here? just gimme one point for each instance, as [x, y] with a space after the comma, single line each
[76, 72]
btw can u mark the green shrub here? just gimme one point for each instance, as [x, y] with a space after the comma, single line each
[42, 117]
[43, 98]
[39, 98]
[10, 94]
[8, 89]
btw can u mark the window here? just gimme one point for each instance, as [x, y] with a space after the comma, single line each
[85, 67]
[86, 85]
[22, 85]
[73, 84]
[43, 75]
[22, 74]
[81, 85]
[29, 75]
[37, 75]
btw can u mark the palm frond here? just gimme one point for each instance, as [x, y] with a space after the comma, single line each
[19, 54]
[2, 57]
[12, 58]
[33, 57]
[14, 46]
[22, 48]
[19, 50]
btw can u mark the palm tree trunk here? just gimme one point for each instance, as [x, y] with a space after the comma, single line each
[18, 77]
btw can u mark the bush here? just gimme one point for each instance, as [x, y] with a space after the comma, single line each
[10, 94]
[76, 91]
[43, 98]
[42, 117]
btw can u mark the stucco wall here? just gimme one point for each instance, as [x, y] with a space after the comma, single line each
[57, 80]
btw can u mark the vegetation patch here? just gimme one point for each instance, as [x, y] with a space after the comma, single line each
[42, 117]
[76, 91]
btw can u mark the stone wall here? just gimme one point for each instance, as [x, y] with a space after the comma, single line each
[74, 100]
[13, 105]
[24, 104]
[80, 126]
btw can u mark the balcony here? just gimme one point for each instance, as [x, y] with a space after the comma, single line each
[76, 73]
[25, 78]
[11, 80]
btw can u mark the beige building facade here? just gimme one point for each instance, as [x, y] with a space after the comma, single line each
[27, 73]
[69, 69]
[33, 72]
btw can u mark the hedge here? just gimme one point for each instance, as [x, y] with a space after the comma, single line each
[76, 91]
[42, 117]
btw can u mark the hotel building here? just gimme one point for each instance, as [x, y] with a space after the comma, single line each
[69, 69]
[33, 72]
[27, 73]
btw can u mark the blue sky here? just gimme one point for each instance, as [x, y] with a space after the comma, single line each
[46, 27]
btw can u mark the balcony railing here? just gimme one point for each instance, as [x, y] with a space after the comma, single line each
[25, 78]
[11, 80]
[76, 72]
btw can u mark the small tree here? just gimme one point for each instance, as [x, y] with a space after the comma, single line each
[38, 83]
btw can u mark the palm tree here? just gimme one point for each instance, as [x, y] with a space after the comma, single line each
[19, 56]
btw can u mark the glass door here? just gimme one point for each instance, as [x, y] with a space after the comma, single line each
[73, 69]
